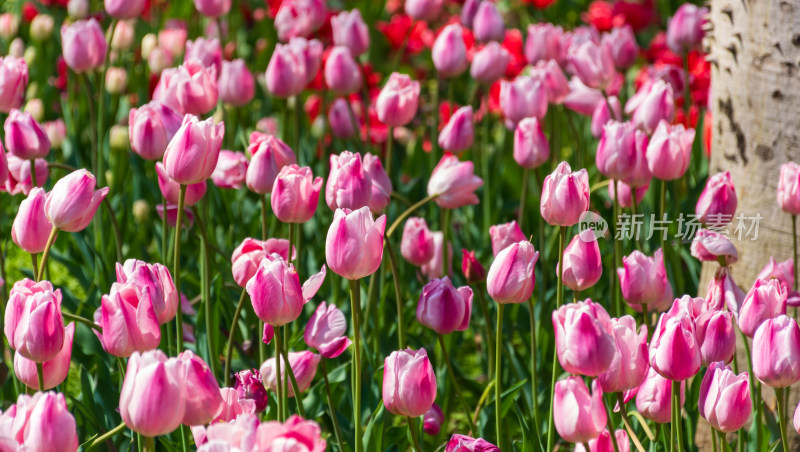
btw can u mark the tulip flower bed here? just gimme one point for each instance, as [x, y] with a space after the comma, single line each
[406, 225]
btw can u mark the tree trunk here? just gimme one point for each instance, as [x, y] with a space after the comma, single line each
[754, 51]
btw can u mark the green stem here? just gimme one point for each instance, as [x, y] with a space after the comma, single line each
[456, 386]
[714, 439]
[293, 381]
[389, 146]
[627, 422]
[355, 307]
[149, 444]
[611, 430]
[335, 421]
[484, 307]
[205, 290]
[562, 235]
[662, 210]
[483, 157]
[79, 319]
[264, 220]
[445, 240]
[498, 376]
[617, 254]
[40, 375]
[297, 109]
[50, 241]
[522, 197]
[401, 328]
[676, 407]
[231, 334]
[278, 377]
[106, 436]
[356, 130]
[34, 265]
[779, 395]
[176, 267]
[534, 386]
[164, 232]
[412, 427]
[408, 212]
[435, 116]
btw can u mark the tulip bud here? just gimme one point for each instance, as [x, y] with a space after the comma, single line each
[669, 151]
[583, 265]
[579, 416]
[349, 185]
[49, 426]
[42, 28]
[621, 43]
[203, 401]
[565, 196]
[191, 156]
[269, 155]
[275, 292]
[141, 212]
[409, 384]
[236, 83]
[381, 184]
[544, 43]
[674, 351]
[285, 72]
[31, 228]
[489, 63]
[398, 100]
[213, 8]
[354, 245]
[776, 348]
[295, 194]
[717, 203]
[765, 300]
[716, 336]
[13, 81]
[123, 36]
[656, 104]
[471, 268]
[249, 254]
[340, 120]
[505, 235]
[443, 308]
[432, 420]
[342, 73]
[643, 281]
[349, 30]
[583, 345]
[654, 398]
[685, 28]
[454, 183]
[416, 245]
[326, 331]
[593, 64]
[54, 370]
[9, 26]
[531, 148]
[151, 127]
[458, 134]
[72, 203]
[628, 368]
[25, 138]
[511, 276]
[616, 152]
[522, 98]
[427, 10]
[153, 397]
[304, 366]
[488, 24]
[724, 399]
[83, 45]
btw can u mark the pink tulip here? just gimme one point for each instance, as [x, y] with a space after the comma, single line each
[489, 63]
[616, 152]
[190, 89]
[656, 105]
[531, 148]
[511, 276]
[231, 170]
[304, 365]
[432, 420]
[123, 9]
[213, 8]
[249, 387]
[128, 320]
[326, 331]
[593, 64]
[581, 98]
[340, 120]
[621, 43]
[643, 281]
[454, 183]
[603, 443]
[505, 235]
[46, 425]
[342, 72]
[381, 184]
[269, 155]
[171, 189]
[625, 195]
[193, 152]
[150, 128]
[72, 203]
[294, 433]
[398, 100]
[776, 348]
[602, 115]
[203, 400]
[669, 151]
[155, 280]
[409, 384]
[789, 188]
[54, 370]
[354, 245]
[784, 273]
[654, 398]
[463, 443]
[565, 195]
[717, 203]
[249, 254]
[716, 336]
[583, 265]
[628, 368]
[24, 137]
[444, 308]
[724, 399]
[434, 267]
[458, 134]
[236, 84]
[488, 24]
[544, 43]
[349, 30]
[83, 45]
[234, 407]
[13, 82]
[286, 75]
[471, 268]
[295, 194]
[299, 18]
[153, 397]
[427, 10]
[522, 98]
[685, 28]
[583, 344]
[553, 79]
[765, 300]
[275, 292]
[579, 415]
[723, 292]
[710, 246]
[31, 228]
[674, 351]
[349, 185]
[309, 56]
[416, 245]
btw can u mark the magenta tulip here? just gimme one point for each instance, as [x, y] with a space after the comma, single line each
[128, 320]
[83, 45]
[153, 397]
[286, 72]
[776, 352]
[643, 281]
[602, 115]
[308, 54]
[710, 246]
[432, 420]
[381, 184]
[723, 292]
[583, 265]
[340, 120]
[454, 183]
[565, 196]
[150, 129]
[511, 276]
[171, 189]
[190, 89]
[398, 100]
[583, 343]
[299, 18]
[213, 8]
[463, 443]
[593, 64]
[685, 28]
[657, 105]
[489, 63]
[505, 235]
[268, 156]
[724, 400]
[295, 194]
[416, 245]
[275, 292]
[765, 300]
[669, 151]
[123, 9]
[531, 148]
[674, 351]
[488, 24]
[304, 366]
[207, 51]
[342, 72]
[471, 268]
[628, 368]
[579, 415]
[193, 152]
[24, 137]
[236, 84]
[654, 397]
[203, 400]
[72, 203]
[444, 308]
[544, 42]
[789, 188]
[249, 387]
[427, 10]
[409, 384]
[716, 336]
[621, 43]
[13, 82]
[717, 203]
[249, 254]
[31, 228]
[349, 185]
[54, 370]
[349, 30]
[294, 433]
[231, 170]
[523, 97]
[326, 331]
[458, 134]
[354, 245]
[46, 425]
